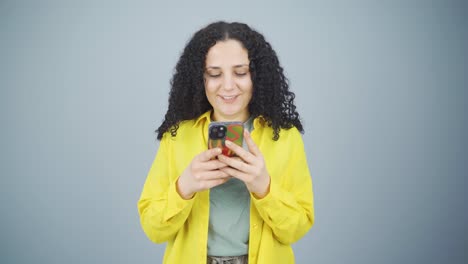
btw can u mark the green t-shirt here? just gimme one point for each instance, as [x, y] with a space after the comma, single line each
[228, 231]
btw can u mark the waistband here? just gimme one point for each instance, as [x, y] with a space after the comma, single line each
[244, 259]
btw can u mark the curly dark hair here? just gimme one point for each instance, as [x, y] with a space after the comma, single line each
[271, 97]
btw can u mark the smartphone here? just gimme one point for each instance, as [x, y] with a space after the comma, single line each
[218, 132]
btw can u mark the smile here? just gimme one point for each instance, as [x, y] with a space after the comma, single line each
[228, 97]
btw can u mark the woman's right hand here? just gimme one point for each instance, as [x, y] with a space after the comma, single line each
[201, 174]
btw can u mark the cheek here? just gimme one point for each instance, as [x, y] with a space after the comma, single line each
[211, 86]
[246, 86]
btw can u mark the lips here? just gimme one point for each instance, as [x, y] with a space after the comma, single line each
[228, 99]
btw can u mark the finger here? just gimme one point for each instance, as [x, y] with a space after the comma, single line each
[212, 175]
[212, 165]
[236, 174]
[213, 183]
[251, 144]
[234, 163]
[209, 154]
[242, 153]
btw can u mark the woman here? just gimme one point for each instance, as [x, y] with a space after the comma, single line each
[211, 208]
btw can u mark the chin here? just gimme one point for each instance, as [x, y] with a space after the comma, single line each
[229, 113]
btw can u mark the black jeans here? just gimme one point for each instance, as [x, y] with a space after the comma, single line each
[228, 260]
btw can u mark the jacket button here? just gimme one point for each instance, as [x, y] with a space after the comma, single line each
[255, 226]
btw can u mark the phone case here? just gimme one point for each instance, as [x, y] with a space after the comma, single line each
[218, 132]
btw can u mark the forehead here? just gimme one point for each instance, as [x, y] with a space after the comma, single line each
[227, 53]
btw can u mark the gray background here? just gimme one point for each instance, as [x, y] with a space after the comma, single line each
[381, 87]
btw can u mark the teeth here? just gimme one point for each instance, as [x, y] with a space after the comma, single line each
[228, 97]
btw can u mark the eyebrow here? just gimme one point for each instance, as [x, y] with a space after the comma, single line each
[235, 66]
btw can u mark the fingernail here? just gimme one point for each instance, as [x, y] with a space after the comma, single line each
[228, 143]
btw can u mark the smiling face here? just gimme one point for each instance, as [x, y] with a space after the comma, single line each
[228, 84]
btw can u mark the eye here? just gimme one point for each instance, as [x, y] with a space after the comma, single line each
[214, 75]
[241, 73]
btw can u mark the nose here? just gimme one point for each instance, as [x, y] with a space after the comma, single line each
[228, 82]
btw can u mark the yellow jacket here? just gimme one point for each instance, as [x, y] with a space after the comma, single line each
[276, 221]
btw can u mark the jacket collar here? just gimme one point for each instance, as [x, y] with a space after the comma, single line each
[205, 117]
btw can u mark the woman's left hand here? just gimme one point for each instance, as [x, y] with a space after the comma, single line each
[249, 167]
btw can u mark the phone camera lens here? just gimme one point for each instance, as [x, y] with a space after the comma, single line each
[217, 132]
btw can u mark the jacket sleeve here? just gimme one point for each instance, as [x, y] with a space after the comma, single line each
[288, 209]
[162, 211]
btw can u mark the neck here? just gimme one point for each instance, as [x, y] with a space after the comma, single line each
[221, 118]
